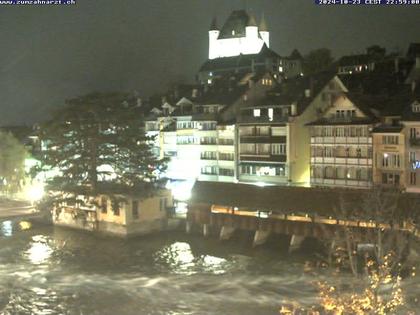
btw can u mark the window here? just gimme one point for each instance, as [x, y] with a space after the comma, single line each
[413, 133]
[270, 114]
[116, 207]
[104, 204]
[257, 112]
[225, 172]
[413, 178]
[209, 170]
[412, 157]
[391, 160]
[135, 208]
[278, 149]
[226, 156]
[209, 155]
[208, 140]
[162, 204]
[248, 170]
[416, 107]
[390, 179]
[280, 171]
[389, 139]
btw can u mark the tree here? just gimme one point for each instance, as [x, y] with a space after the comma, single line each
[96, 144]
[12, 163]
[317, 60]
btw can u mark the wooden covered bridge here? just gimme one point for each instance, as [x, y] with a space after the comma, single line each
[299, 212]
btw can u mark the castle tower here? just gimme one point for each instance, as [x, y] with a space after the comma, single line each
[213, 35]
[264, 33]
[251, 28]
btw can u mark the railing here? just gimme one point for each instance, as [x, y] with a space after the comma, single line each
[226, 142]
[415, 142]
[404, 226]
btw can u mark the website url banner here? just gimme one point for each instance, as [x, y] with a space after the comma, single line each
[37, 2]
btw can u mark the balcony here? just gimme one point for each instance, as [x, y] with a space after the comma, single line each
[262, 119]
[415, 142]
[249, 156]
[226, 142]
[361, 161]
[341, 140]
[253, 138]
[208, 158]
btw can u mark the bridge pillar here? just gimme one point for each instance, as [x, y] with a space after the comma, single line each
[206, 229]
[295, 242]
[226, 232]
[188, 226]
[260, 237]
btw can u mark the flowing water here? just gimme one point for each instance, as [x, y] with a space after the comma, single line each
[47, 270]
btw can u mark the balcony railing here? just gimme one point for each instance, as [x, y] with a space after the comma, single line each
[205, 157]
[226, 141]
[415, 142]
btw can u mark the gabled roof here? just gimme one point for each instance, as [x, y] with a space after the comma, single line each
[235, 25]
[295, 55]
[293, 90]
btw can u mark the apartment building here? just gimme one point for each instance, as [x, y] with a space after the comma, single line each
[341, 144]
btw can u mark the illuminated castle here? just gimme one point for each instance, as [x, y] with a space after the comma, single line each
[239, 35]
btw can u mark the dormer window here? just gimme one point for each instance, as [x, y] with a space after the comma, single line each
[415, 107]
[257, 112]
[233, 32]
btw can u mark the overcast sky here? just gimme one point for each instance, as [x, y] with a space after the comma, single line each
[52, 53]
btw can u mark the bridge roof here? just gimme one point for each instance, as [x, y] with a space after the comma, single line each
[285, 199]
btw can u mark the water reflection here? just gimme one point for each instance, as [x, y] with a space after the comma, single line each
[7, 228]
[25, 225]
[39, 251]
[179, 256]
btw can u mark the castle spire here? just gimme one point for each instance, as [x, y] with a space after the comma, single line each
[251, 20]
[263, 25]
[213, 25]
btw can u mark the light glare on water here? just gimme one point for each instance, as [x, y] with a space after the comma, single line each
[45, 270]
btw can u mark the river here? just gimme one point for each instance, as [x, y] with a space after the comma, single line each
[50, 270]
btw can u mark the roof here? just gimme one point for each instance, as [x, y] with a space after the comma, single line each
[293, 90]
[295, 55]
[225, 91]
[388, 129]
[340, 121]
[235, 62]
[284, 199]
[235, 25]
[263, 24]
[413, 50]
[352, 60]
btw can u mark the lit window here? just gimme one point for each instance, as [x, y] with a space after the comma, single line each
[257, 112]
[281, 69]
[209, 81]
[270, 114]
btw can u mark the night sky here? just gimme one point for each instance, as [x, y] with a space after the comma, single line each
[52, 53]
